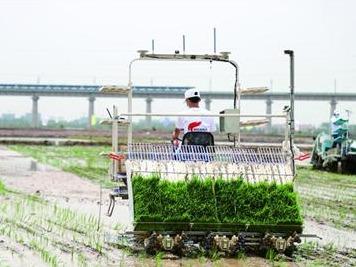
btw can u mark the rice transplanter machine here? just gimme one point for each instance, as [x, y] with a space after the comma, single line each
[252, 163]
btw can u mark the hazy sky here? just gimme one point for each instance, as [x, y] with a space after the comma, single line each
[92, 41]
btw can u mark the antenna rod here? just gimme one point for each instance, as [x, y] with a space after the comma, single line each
[109, 113]
[183, 44]
[153, 46]
[291, 133]
[214, 40]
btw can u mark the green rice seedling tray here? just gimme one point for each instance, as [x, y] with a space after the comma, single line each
[214, 203]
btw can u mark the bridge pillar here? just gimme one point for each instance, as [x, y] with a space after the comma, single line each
[207, 103]
[333, 104]
[91, 110]
[149, 110]
[35, 111]
[269, 112]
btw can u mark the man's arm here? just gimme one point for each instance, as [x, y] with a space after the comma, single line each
[179, 125]
[175, 133]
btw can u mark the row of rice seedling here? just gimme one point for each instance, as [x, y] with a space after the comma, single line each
[214, 201]
[59, 236]
[327, 197]
[80, 160]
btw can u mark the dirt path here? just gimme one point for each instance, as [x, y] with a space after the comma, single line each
[68, 190]
[25, 174]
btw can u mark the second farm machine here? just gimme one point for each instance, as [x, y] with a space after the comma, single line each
[335, 150]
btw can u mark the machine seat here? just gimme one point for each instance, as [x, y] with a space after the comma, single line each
[198, 138]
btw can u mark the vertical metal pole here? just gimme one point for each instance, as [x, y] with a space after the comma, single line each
[115, 140]
[291, 134]
[333, 104]
[91, 111]
[153, 46]
[129, 105]
[129, 142]
[35, 111]
[291, 56]
[183, 44]
[214, 40]
[292, 94]
[269, 112]
[286, 132]
[149, 110]
[237, 100]
[239, 112]
[129, 109]
[348, 112]
[208, 103]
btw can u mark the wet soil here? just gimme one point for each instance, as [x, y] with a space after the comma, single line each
[68, 190]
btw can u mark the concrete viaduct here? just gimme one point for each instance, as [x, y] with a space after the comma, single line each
[151, 92]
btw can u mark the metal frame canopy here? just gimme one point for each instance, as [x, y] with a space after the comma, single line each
[144, 55]
[223, 57]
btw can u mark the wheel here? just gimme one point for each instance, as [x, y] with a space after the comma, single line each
[289, 251]
[353, 167]
[151, 245]
[348, 166]
[314, 159]
[318, 162]
[333, 166]
[208, 242]
[345, 166]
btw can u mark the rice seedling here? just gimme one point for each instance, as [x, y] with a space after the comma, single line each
[46, 255]
[122, 260]
[241, 255]
[2, 188]
[271, 255]
[83, 161]
[218, 263]
[3, 263]
[158, 259]
[313, 254]
[118, 227]
[202, 259]
[50, 230]
[214, 255]
[82, 260]
[214, 201]
[328, 197]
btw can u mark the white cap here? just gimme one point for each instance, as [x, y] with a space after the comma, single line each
[191, 93]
